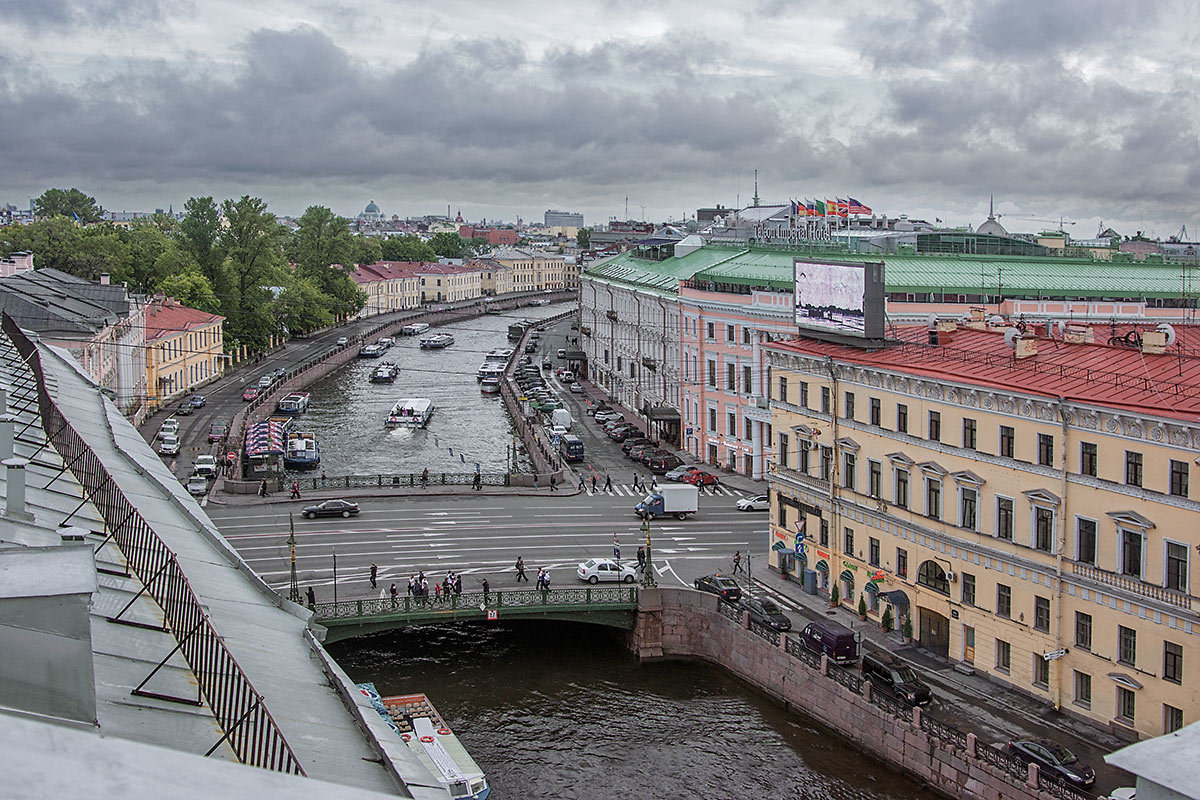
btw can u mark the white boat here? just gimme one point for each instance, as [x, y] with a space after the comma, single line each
[414, 328]
[490, 385]
[411, 412]
[490, 369]
[371, 351]
[428, 736]
[294, 403]
[386, 372]
[301, 452]
[437, 341]
[500, 355]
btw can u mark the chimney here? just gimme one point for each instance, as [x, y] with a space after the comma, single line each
[1078, 334]
[105, 279]
[7, 426]
[1026, 348]
[14, 487]
[1154, 342]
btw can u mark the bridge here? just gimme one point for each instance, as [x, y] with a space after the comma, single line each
[613, 606]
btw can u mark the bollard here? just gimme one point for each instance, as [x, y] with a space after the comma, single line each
[972, 745]
[1031, 777]
[916, 717]
[825, 665]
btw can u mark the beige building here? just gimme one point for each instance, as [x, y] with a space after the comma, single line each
[184, 349]
[532, 271]
[390, 286]
[495, 277]
[1030, 509]
[448, 283]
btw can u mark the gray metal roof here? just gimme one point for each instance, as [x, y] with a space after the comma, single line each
[1171, 761]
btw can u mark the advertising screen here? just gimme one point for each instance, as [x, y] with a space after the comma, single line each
[839, 298]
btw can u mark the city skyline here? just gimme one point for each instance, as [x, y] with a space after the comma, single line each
[1058, 109]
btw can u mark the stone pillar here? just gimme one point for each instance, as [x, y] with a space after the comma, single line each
[783, 642]
[746, 620]
[1031, 778]
[916, 717]
[825, 665]
[868, 688]
[972, 745]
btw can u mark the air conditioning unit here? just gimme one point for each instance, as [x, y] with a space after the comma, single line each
[951, 575]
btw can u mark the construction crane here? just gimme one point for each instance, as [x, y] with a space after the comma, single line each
[1061, 220]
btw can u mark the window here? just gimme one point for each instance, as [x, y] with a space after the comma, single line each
[804, 393]
[848, 542]
[824, 533]
[902, 488]
[745, 335]
[1179, 478]
[1172, 718]
[933, 498]
[849, 470]
[783, 449]
[731, 377]
[902, 418]
[1085, 541]
[935, 426]
[1083, 630]
[970, 433]
[731, 424]
[931, 575]
[748, 431]
[712, 420]
[1003, 655]
[873, 552]
[730, 334]
[1041, 671]
[1126, 646]
[876, 411]
[849, 410]
[1133, 468]
[1083, 689]
[1041, 614]
[712, 376]
[1125, 704]
[1172, 662]
[747, 382]
[1007, 440]
[1043, 529]
[783, 520]
[783, 388]
[1003, 600]
[1087, 458]
[875, 479]
[1045, 449]
[711, 330]
[1131, 553]
[1176, 576]
[968, 503]
[968, 589]
[621, 366]
[826, 463]
[901, 562]
[825, 399]
[1004, 518]
[802, 450]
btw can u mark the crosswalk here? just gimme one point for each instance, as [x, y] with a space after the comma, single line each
[627, 490]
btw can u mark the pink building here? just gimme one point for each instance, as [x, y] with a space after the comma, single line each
[17, 262]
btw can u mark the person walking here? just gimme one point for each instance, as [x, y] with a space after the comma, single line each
[737, 562]
[535, 485]
[654, 483]
[593, 484]
[374, 575]
[393, 592]
[485, 589]
[582, 484]
[477, 482]
[641, 557]
[412, 585]
[437, 591]
[607, 483]
[295, 490]
[521, 576]
[262, 488]
[546, 580]
[425, 478]
[312, 597]
[458, 584]
[553, 484]
[637, 486]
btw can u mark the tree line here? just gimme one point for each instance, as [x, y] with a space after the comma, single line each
[234, 258]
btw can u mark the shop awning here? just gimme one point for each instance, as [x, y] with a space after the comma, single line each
[895, 597]
[662, 414]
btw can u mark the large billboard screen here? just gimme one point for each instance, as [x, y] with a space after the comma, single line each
[839, 298]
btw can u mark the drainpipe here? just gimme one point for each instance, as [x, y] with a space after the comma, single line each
[834, 500]
[1058, 558]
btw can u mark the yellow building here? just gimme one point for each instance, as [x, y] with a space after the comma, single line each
[495, 277]
[533, 271]
[1028, 509]
[184, 349]
[390, 286]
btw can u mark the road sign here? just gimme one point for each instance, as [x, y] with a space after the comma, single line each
[689, 431]
[1053, 654]
[493, 613]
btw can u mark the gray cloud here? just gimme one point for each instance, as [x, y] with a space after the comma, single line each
[47, 15]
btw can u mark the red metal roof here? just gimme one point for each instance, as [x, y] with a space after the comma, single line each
[168, 318]
[389, 270]
[1119, 377]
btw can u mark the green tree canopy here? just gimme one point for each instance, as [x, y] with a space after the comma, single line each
[59, 243]
[583, 237]
[200, 232]
[191, 289]
[449, 245]
[253, 263]
[407, 248]
[302, 307]
[325, 257]
[70, 203]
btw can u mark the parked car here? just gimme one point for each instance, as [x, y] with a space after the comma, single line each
[546, 364]
[1054, 759]
[651, 453]
[629, 444]
[759, 502]
[721, 585]
[831, 638]
[184, 409]
[765, 612]
[343, 341]
[169, 446]
[607, 416]
[331, 508]
[217, 431]
[576, 388]
[636, 451]
[198, 401]
[621, 434]
[205, 465]
[280, 374]
[170, 427]
[699, 477]
[890, 674]
[612, 424]
[595, 570]
[250, 393]
[197, 485]
[562, 353]
[660, 465]
[679, 471]
[557, 430]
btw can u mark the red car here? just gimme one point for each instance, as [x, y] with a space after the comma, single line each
[250, 393]
[699, 477]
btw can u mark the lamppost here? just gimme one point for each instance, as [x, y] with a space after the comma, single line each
[647, 571]
[335, 599]
[293, 587]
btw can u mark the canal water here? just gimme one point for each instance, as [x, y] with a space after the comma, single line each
[564, 710]
[347, 411]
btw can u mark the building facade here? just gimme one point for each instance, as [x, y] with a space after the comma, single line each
[184, 349]
[565, 219]
[390, 286]
[496, 278]
[1029, 511]
[533, 271]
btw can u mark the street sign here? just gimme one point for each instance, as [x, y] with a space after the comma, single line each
[1053, 654]
[493, 613]
[689, 431]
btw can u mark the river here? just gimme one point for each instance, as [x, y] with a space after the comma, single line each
[553, 709]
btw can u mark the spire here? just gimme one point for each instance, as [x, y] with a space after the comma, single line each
[991, 206]
[756, 188]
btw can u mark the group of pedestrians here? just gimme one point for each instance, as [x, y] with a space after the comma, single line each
[418, 586]
[543, 574]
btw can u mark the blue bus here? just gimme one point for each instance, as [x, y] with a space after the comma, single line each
[570, 447]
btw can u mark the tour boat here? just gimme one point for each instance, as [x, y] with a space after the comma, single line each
[371, 351]
[414, 328]
[500, 355]
[490, 385]
[301, 451]
[490, 369]
[386, 372]
[421, 727]
[294, 403]
[413, 412]
[437, 341]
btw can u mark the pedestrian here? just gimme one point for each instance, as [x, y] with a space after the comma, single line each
[477, 482]
[535, 486]
[425, 478]
[262, 488]
[412, 585]
[545, 580]
[593, 484]
[581, 483]
[374, 575]
[737, 562]
[521, 576]
[637, 486]
[295, 490]
[654, 483]
[312, 597]
[322, 476]
[437, 590]
[485, 588]
[458, 584]
[392, 591]
[641, 557]
[607, 483]
[553, 481]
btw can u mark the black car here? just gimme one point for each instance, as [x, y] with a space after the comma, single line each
[765, 612]
[722, 586]
[331, 508]
[184, 409]
[1053, 759]
[893, 675]
[629, 444]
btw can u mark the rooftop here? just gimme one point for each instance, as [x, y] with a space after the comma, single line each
[168, 318]
[1172, 761]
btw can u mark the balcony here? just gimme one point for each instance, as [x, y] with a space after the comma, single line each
[1132, 585]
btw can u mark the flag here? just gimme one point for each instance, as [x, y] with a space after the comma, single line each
[832, 209]
[858, 208]
[798, 209]
[811, 207]
[820, 208]
[843, 208]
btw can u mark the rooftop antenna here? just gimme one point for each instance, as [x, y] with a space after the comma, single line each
[626, 206]
[756, 188]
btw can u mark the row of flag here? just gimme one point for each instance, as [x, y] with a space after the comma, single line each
[829, 208]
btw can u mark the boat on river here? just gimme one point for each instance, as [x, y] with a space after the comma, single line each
[500, 355]
[490, 369]
[411, 412]
[490, 385]
[437, 341]
[414, 328]
[371, 351]
[387, 372]
[301, 451]
[294, 403]
[422, 729]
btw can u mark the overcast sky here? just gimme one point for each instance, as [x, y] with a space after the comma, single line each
[1082, 108]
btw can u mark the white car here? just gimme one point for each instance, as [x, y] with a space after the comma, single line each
[595, 570]
[557, 430]
[197, 485]
[758, 503]
[342, 341]
[169, 446]
[607, 416]
[205, 466]
[169, 428]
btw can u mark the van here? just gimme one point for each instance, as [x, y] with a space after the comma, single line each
[890, 674]
[831, 638]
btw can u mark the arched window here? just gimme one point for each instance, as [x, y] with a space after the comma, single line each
[931, 575]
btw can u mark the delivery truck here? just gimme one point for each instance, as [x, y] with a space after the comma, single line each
[561, 416]
[682, 501]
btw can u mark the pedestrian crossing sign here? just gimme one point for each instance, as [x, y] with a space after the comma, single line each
[493, 614]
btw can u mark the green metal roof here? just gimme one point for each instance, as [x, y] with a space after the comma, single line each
[1013, 276]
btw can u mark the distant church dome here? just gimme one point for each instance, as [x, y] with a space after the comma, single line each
[371, 208]
[991, 227]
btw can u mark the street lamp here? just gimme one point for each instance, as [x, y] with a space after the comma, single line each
[293, 588]
[648, 570]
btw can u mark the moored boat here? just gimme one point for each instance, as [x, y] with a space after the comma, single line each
[490, 369]
[386, 372]
[414, 328]
[371, 351]
[437, 341]
[294, 403]
[490, 385]
[411, 412]
[301, 451]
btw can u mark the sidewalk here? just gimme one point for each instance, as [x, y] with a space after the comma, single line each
[312, 496]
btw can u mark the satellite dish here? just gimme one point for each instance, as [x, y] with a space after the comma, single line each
[995, 320]
[1010, 338]
[1169, 330]
[932, 321]
[1060, 328]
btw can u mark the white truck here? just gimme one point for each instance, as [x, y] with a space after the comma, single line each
[561, 416]
[682, 501]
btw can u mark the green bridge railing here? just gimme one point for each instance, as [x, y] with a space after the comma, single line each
[594, 598]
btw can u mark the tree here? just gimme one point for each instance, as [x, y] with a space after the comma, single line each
[407, 248]
[367, 249]
[325, 256]
[480, 245]
[200, 231]
[448, 245]
[58, 243]
[583, 238]
[191, 289]
[302, 307]
[253, 261]
[152, 256]
[70, 203]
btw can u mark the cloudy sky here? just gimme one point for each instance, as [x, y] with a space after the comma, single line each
[1082, 108]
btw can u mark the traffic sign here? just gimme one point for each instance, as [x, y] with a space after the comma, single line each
[493, 613]
[689, 431]
[1053, 654]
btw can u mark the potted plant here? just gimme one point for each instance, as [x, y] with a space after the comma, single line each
[862, 607]
[834, 596]
[885, 621]
[906, 630]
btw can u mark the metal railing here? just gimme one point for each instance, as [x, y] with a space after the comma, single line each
[891, 705]
[1133, 585]
[796, 649]
[1001, 758]
[729, 610]
[944, 731]
[239, 710]
[608, 596]
[408, 480]
[846, 677]
[1057, 787]
[763, 632]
